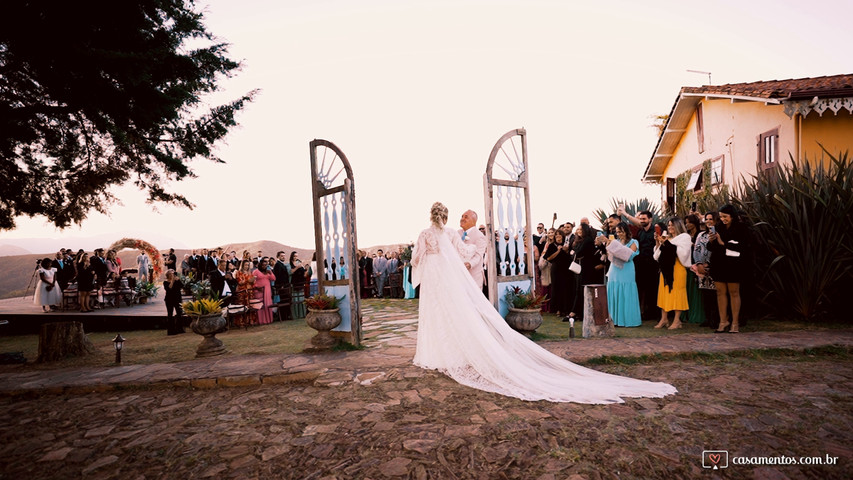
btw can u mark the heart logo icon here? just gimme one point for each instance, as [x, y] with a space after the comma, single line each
[714, 457]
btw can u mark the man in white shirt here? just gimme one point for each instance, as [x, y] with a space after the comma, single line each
[472, 236]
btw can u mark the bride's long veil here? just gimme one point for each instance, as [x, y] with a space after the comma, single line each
[461, 334]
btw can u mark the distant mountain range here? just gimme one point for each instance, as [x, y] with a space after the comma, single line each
[7, 250]
[23, 246]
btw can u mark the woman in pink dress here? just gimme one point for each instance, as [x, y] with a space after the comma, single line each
[263, 277]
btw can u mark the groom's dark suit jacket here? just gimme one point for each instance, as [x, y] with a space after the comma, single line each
[217, 283]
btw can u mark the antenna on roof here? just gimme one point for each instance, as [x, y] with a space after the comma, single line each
[703, 73]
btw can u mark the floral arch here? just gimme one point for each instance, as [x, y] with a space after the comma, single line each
[153, 254]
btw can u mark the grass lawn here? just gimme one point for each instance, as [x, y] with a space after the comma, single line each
[553, 328]
[154, 346]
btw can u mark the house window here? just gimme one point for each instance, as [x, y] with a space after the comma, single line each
[700, 130]
[695, 182]
[768, 149]
[717, 170]
[670, 195]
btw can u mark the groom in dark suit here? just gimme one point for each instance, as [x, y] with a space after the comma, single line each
[219, 280]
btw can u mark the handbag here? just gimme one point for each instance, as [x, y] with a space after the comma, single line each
[575, 267]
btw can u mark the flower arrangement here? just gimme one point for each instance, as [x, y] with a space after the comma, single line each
[321, 301]
[517, 298]
[203, 306]
[136, 244]
[201, 290]
[147, 289]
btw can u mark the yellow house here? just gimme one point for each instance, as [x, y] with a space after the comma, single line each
[738, 130]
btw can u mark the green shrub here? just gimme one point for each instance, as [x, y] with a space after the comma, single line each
[801, 215]
[707, 199]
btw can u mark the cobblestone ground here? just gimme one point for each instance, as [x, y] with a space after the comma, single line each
[403, 422]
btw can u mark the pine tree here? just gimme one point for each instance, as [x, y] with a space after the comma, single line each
[98, 93]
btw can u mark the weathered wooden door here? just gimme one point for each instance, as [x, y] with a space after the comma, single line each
[509, 257]
[335, 237]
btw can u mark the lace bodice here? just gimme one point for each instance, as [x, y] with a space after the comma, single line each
[428, 243]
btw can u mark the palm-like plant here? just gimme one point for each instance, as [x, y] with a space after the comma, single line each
[804, 235]
[630, 207]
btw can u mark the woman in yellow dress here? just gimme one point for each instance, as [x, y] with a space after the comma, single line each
[673, 251]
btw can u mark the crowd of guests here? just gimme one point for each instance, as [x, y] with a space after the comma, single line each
[88, 274]
[376, 270]
[694, 264]
[253, 287]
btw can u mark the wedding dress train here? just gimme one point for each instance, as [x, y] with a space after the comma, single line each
[462, 335]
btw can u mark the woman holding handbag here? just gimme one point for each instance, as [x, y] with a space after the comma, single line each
[729, 248]
[584, 255]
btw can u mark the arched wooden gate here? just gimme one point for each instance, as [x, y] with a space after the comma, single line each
[507, 207]
[335, 232]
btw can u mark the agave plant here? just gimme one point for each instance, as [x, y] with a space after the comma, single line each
[804, 235]
[203, 306]
[630, 207]
[322, 301]
[518, 298]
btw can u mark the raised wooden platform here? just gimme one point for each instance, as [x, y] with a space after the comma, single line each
[25, 317]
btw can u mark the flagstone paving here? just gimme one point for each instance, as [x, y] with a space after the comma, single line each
[371, 414]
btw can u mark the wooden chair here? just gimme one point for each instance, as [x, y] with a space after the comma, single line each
[298, 302]
[285, 301]
[69, 298]
[110, 294]
[394, 288]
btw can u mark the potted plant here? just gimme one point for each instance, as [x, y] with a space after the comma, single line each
[187, 281]
[201, 289]
[525, 307]
[145, 290]
[323, 315]
[207, 321]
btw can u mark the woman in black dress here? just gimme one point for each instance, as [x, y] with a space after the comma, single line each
[729, 247]
[174, 311]
[85, 282]
[584, 252]
[562, 295]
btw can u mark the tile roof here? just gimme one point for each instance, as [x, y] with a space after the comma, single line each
[835, 85]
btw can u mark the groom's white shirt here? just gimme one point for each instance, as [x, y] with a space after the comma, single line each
[476, 238]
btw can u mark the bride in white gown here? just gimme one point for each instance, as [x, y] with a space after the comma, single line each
[462, 335]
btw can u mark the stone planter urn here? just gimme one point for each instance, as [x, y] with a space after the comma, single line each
[323, 321]
[208, 326]
[524, 321]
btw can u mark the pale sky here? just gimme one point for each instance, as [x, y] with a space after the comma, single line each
[416, 93]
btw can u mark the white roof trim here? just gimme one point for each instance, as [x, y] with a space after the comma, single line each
[733, 98]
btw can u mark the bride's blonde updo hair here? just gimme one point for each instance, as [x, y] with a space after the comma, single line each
[438, 214]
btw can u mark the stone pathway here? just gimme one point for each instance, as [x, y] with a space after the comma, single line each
[372, 414]
[390, 332]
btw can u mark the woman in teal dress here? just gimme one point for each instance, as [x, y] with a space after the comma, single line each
[623, 302]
